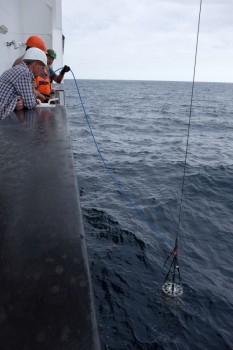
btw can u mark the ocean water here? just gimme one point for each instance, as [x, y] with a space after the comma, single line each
[141, 130]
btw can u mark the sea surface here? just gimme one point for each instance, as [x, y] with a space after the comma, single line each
[141, 131]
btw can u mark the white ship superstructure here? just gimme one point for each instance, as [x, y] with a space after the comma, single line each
[20, 19]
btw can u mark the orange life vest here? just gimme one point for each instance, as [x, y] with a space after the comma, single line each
[43, 83]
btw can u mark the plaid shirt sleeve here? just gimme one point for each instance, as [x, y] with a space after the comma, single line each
[24, 87]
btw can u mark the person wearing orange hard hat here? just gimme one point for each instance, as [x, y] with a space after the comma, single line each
[36, 41]
[32, 41]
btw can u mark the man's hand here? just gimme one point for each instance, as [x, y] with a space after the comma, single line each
[19, 104]
[65, 69]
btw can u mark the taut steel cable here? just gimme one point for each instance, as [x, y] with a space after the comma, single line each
[172, 283]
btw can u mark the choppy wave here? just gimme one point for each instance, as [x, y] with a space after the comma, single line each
[141, 129]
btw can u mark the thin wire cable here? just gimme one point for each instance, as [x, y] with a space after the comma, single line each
[188, 131]
[116, 182]
[174, 266]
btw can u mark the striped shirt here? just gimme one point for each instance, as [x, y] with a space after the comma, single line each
[16, 83]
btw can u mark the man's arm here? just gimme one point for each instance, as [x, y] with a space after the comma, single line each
[58, 78]
[39, 96]
[24, 88]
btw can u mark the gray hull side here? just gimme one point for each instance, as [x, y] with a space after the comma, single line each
[46, 299]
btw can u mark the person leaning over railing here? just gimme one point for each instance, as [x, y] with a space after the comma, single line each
[33, 41]
[16, 83]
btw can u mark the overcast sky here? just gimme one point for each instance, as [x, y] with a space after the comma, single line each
[148, 39]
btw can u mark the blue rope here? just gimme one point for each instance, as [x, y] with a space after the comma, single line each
[116, 182]
[58, 70]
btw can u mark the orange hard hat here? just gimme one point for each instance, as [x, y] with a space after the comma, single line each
[36, 41]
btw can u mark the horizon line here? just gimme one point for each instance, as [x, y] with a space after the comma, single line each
[150, 80]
